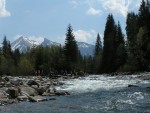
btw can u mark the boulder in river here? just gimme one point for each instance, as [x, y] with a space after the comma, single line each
[130, 85]
[37, 98]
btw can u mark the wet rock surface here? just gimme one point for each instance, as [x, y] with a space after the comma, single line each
[32, 88]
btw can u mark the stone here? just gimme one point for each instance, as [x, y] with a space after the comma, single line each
[62, 93]
[37, 99]
[32, 82]
[16, 82]
[13, 92]
[52, 99]
[22, 98]
[41, 90]
[130, 85]
[28, 91]
[6, 79]
[51, 90]
[3, 94]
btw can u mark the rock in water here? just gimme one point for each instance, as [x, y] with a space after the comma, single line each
[37, 99]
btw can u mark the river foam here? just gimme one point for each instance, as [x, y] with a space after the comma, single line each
[96, 82]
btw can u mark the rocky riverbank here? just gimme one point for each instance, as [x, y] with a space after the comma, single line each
[32, 88]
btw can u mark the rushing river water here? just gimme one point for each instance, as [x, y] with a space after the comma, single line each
[93, 94]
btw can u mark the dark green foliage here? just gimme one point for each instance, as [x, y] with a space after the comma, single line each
[138, 35]
[121, 52]
[97, 55]
[131, 31]
[16, 56]
[109, 48]
[114, 51]
[98, 46]
[70, 50]
[6, 48]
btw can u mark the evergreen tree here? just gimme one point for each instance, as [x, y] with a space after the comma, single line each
[121, 53]
[109, 48]
[97, 55]
[16, 56]
[143, 13]
[98, 46]
[70, 49]
[132, 28]
[6, 48]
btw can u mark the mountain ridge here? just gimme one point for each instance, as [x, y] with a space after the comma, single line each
[23, 43]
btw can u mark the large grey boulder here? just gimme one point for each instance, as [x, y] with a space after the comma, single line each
[28, 91]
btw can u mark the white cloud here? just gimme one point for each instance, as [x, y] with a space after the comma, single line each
[121, 7]
[3, 11]
[117, 6]
[93, 11]
[85, 36]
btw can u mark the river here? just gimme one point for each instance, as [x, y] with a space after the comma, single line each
[93, 94]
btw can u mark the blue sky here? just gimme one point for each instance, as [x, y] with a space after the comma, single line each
[50, 18]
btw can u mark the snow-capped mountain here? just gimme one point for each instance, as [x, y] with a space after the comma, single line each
[23, 43]
[85, 48]
[47, 42]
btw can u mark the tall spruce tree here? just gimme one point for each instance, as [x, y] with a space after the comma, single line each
[131, 31]
[109, 48]
[70, 49]
[121, 53]
[6, 48]
[97, 55]
[98, 46]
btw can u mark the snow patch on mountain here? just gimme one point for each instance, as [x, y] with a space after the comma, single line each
[85, 48]
[23, 43]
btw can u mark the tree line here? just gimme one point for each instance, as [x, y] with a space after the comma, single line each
[118, 53]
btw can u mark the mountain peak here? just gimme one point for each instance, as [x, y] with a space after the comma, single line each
[23, 43]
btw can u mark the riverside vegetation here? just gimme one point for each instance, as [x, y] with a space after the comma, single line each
[116, 54]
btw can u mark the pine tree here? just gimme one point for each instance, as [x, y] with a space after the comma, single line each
[143, 13]
[109, 48]
[132, 28]
[98, 46]
[6, 48]
[121, 53]
[70, 49]
[97, 55]
[16, 56]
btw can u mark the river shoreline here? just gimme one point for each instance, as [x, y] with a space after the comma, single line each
[36, 88]
[29, 88]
